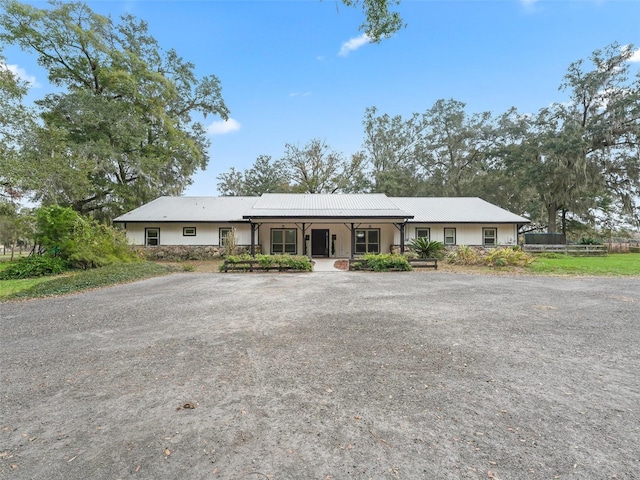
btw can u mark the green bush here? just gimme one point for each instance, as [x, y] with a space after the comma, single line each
[34, 266]
[384, 262]
[265, 261]
[426, 248]
[589, 241]
[81, 242]
[292, 262]
[236, 259]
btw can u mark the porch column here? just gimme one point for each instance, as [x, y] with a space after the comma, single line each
[402, 238]
[304, 240]
[253, 239]
[353, 241]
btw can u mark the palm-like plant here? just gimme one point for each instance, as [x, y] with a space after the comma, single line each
[426, 248]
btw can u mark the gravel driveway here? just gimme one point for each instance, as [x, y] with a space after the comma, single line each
[325, 376]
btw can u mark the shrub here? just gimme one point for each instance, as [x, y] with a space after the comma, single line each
[504, 256]
[589, 241]
[81, 242]
[292, 262]
[34, 266]
[265, 261]
[385, 262]
[426, 248]
[464, 255]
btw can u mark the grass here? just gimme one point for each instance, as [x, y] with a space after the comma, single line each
[76, 281]
[615, 264]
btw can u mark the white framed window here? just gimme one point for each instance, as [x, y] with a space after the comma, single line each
[367, 240]
[152, 237]
[449, 236]
[489, 237]
[284, 240]
[188, 231]
[423, 233]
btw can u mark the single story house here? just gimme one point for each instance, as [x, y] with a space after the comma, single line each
[320, 225]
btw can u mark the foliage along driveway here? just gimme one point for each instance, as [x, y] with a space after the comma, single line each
[357, 375]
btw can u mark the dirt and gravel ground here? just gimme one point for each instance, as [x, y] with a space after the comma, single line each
[325, 376]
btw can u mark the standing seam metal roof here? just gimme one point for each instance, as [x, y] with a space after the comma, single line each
[238, 209]
[456, 210]
[325, 205]
[190, 209]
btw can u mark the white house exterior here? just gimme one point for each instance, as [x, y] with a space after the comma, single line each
[320, 225]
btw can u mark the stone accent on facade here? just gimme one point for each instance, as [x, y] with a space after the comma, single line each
[189, 252]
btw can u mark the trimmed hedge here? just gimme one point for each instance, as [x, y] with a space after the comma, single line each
[382, 262]
[267, 262]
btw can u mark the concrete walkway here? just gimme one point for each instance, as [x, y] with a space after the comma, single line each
[325, 265]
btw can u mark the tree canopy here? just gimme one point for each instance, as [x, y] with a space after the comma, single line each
[380, 22]
[312, 168]
[575, 162]
[121, 130]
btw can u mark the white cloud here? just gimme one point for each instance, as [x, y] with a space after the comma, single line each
[222, 127]
[354, 44]
[635, 57]
[530, 6]
[21, 73]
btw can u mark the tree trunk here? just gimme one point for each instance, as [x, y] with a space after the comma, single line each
[552, 212]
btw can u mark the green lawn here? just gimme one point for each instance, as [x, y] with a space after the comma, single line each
[76, 281]
[614, 264]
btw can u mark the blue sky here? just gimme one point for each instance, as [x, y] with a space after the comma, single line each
[296, 70]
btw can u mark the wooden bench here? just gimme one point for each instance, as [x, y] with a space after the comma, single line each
[424, 263]
[249, 265]
[254, 266]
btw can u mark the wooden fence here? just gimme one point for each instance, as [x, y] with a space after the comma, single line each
[575, 250]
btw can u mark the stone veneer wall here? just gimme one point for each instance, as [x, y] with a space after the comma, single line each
[189, 252]
[448, 248]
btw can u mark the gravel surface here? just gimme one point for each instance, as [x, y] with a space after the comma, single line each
[325, 376]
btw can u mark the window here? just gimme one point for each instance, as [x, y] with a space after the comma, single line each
[489, 236]
[423, 232]
[223, 235]
[188, 231]
[449, 236]
[152, 237]
[284, 240]
[368, 241]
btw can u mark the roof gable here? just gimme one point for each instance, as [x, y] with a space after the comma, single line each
[350, 205]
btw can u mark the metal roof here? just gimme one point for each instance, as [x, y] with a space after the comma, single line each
[312, 205]
[455, 210]
[190, 209]
[328, 206]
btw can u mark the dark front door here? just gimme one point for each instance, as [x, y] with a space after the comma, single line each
[319, 243]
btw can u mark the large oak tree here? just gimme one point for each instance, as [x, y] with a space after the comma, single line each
[123, 127]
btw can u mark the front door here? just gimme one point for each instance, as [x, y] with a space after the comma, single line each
[319, 243]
